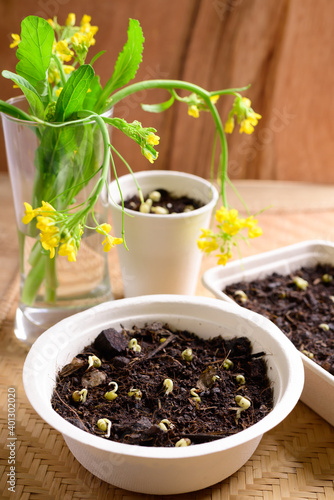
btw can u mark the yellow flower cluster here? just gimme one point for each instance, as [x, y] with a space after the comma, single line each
[84, 38]
[57, 231]
[110, 241]
[246, 116]
[229, 228]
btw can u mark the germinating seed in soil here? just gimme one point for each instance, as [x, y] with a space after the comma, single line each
[156, 386]
[160, 201]
[301, 304]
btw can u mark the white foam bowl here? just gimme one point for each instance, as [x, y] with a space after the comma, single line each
[318, 390]
[163, 470]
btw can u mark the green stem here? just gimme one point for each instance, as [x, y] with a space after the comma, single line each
[51, 282]
[60, 69]
[21, 238]
[205, 95]
[33, 281]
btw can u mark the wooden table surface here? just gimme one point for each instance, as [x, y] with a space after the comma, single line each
[294, 460]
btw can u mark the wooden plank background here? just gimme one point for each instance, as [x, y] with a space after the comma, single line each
[283, 48]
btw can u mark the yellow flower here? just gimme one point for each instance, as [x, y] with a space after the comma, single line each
[68, 250]
[193, 111]
[153, 139]
[46, 207]
[207, 246]
[247, 102]
[232, 215]
[246, 126]
[68, 69]
[58, 91]
[233, 224]
[85, 19]
[246, 116]
[103, 228]
[110, 241]
[52, 24]
[148, 154]
[82, 41]
[16, 40]
[231, 229]
[63, 51]
[50, 241]
[214, 98]
[223, 258]
[206, 233]
[30, 213]
[254, 232]
[221, 214]
[250, 222]
[46, 224]
[229, 125]
[88, 29]
[70, 21]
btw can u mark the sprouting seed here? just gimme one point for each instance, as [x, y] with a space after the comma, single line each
[327, 278]
[228, 364]
[165, 425]
[324, 327]
[240, 379]
[183, 442]
[242, 296]
[168, 385]
[162, 340]
[300, 282]
[111, 395]
[134, 346]
[80, 396]
[93, 362]
[308, 353]
[136, 393]
[243, 403]
[215, 377]
[155, 196]
[144, 208]
[195, 396]
[187, 354]
[104, 425]
[160, 210]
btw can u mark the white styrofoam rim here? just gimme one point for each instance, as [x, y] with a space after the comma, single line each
[171, 173]
[255, 260]
[281, 410]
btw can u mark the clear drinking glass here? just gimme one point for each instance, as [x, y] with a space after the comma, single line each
[44, 162]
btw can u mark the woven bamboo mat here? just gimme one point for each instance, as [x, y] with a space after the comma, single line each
[293, 461]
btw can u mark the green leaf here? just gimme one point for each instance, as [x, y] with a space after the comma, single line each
[92, 96]
[74, 92]
[31, 94]
[158, 108]
[34, 52]
[127, 63]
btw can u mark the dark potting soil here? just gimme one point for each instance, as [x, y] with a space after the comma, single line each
[136, 421]
[168, 201]
[306, 316]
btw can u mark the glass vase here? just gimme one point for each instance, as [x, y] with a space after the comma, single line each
[56, 165]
